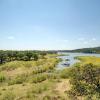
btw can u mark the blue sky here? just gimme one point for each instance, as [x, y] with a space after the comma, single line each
[49, 24]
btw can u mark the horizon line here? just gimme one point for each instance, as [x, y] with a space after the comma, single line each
[44, 49]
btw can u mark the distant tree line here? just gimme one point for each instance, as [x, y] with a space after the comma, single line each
[9, 55]
[83, 50]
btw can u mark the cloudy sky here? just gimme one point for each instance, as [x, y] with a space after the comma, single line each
[49, 24]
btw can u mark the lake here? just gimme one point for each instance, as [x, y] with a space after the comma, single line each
[70, 57]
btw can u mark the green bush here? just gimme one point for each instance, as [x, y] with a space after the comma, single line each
[65, 73]
[39, 78]
[2, 77]
[19, 79]
[85, 80]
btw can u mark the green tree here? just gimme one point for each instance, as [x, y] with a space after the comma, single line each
[85, 80]
[29, 55]
[35, 57]
[2, 57]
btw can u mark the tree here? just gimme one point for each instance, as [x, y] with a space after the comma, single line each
[2, 57]
[35, 57]
[20, 55]
[43, 54]
[9, 55]
[85, 80]
[29, 55]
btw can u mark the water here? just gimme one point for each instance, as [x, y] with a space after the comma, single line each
[71, 61]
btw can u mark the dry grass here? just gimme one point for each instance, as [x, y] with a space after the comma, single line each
[88, 59]
[18, 76]
[63, 86]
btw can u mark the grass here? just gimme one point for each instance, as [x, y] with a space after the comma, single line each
[88, 59]
[37, 80]
[2, 77]
[8, 96]
[28, 79]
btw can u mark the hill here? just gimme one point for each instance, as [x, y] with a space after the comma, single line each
[84, 50]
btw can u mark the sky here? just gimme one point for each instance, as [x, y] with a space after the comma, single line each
[49, 24]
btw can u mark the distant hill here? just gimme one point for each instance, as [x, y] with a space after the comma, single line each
[84, 50]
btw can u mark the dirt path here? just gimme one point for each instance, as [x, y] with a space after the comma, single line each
[63, 86]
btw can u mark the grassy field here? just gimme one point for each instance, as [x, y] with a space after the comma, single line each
[31, 80]
[38, 80]
[88, 59]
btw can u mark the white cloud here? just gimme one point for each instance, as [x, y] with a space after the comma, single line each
[62, 41]
[85, 42]
[11, 37]
[81, 39]
[93, 39]
[65, 40]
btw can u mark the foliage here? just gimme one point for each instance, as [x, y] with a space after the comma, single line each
[2, 57]
[2, 77]
[6, 56]
[85, 80]
[19, 79]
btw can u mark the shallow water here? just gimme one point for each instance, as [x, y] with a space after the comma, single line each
[71, 56]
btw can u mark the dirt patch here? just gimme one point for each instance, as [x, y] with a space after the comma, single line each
[63, 86]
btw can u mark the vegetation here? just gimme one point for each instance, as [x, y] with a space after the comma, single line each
[8, 56]
[88, 59]
[17, 73]
[84, 79]
[84, 50]
[31, 75]
[85, 82]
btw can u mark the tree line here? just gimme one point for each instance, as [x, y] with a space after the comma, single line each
[10, 55]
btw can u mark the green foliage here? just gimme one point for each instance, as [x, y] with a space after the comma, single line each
[66, 73]
[35, 57]
[19, 79]
[9, 66]
[39, 78]
[43, 54]
[42, 77]
[85, 80]
[2, 77]
[6, 56]
[2, 57]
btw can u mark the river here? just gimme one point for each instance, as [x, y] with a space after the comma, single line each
[70, 57]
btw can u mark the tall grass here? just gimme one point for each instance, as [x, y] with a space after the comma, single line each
[2, 77]
[19, 79]
[35, 73]
[88, 59]
[8, 95]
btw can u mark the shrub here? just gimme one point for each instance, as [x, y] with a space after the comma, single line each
[2, 77]
[65, 73]
[19, 79]
[85, 80]
[39, 78]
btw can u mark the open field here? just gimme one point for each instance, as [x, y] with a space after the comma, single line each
[88, 59]
[31, 80]
[39, 80]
